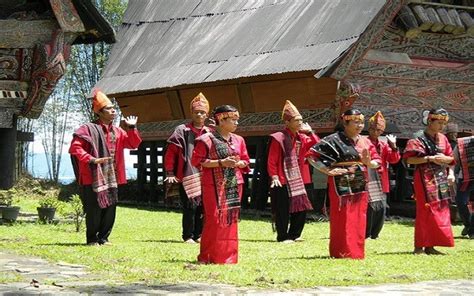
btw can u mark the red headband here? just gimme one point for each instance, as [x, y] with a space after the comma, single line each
[223, 115]
[438, 117]
[353, 117]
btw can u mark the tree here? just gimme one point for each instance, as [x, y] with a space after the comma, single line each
[85, 66]
[88, 61]
[52, 126]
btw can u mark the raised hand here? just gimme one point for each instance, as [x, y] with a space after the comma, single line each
[305, 128]
[131, 120]
[392, 140]
[365, 157]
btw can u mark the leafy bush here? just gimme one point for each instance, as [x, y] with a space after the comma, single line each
[77, 211]
[9, 197]
[49, 202]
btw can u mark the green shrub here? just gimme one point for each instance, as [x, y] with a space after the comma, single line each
[77, 211]
[9, 197]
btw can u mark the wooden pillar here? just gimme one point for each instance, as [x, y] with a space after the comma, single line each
[153, 171]
[7, 156]
[256, 176]
[141, 170]
[260, 185]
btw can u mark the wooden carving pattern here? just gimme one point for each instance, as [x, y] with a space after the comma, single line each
[249, 122]
[15, 64]
[67, 16]
[369, 37]
[415, 94]
[6, 118]
[346, 94]
[49, 65]
[26, 64]
[26, 34]
[405, 71]
[9, 64]
[429, 45]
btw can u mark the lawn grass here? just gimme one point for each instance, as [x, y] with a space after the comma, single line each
[147, 248]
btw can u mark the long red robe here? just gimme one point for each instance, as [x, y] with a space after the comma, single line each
[219, 241]
[348, 213]
[433, 220]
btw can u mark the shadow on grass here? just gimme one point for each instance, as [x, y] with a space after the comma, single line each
[258, 240]
[64, 244]
[246, 214]
[463, 237]
[161, 241]
[187, 261]
[395, 253]
[308, 258]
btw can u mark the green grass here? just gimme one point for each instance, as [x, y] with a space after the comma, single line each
[148, 248]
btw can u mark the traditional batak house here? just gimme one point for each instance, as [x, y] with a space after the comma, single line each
[256, 54]
[35, 41]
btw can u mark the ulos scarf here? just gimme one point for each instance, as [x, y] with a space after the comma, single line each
[183, 137]
[466, 158]
[296, 191]
[225, 179]
[103, 175]
[434, 177]
[377, 198]
[334, 150]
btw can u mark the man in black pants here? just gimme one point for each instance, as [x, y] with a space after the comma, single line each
[290, 174]
[98, 161]
[177, 162]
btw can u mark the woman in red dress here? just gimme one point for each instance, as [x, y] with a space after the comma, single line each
[223, 157]
[344, 156]
[431, 152]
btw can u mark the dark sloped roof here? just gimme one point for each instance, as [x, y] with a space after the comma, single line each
[171, 43]
[97, 27]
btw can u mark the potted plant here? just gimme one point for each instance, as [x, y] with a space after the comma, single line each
[8, 198]
[47, 207]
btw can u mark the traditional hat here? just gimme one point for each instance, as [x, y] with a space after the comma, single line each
[452, 128]
[99, 101]
[199, 103]
[377, 121]
[289, 111]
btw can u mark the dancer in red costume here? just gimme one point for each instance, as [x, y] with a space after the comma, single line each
[379, 186]
[290, 174]
[344, 156]
[223, 157]
[432, 154]
[179, 169]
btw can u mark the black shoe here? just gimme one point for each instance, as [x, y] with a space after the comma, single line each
[465, 231]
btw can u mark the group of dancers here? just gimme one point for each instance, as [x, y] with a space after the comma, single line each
[207, 162]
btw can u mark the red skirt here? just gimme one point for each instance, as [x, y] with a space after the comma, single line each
[347, 224]
[219, 243]
[432, 222]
